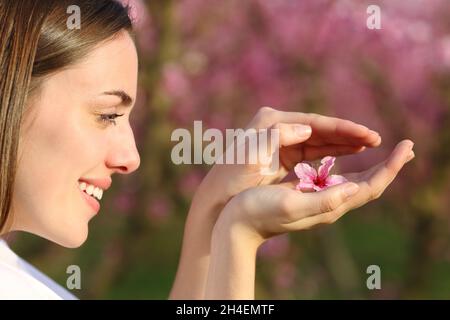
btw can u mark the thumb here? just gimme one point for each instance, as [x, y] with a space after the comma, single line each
[291, 134]
[329, 199]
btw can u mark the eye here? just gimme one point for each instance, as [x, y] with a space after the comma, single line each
[109, 118]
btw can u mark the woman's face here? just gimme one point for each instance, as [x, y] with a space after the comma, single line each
[68, 137]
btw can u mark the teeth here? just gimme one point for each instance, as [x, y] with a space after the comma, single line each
[98, 193]
[91, 190]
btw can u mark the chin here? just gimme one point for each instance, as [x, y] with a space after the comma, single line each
[73, 243]
[73, 240]
[69, 237]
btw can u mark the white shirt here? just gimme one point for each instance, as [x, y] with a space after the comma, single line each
[20, 280]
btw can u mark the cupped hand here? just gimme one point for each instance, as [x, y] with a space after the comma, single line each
[302, 136]
[266, 211]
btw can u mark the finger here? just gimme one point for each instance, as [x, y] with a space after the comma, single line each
[290, 137]
[411, 156]
[378, 178]
[381, 177]
[332, 130]
[389, 169]
[319, 207]
[329, 129]
[291, 134]
[313, 221]
[316, 152]
[313, 203]
[286, 135]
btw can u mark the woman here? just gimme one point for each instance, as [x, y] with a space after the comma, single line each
[66, 98]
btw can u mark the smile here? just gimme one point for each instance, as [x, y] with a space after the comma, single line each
[91, 190]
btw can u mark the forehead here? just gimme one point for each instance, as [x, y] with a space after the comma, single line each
[112, 65]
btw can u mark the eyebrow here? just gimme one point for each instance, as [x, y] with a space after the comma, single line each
[126, 99]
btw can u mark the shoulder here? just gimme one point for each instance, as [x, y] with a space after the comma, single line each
[21, 280]
[15, 284]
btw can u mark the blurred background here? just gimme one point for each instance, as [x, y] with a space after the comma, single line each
[219, 62]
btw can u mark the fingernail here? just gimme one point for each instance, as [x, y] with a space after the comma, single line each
[302, 130]
[350, 190]
[411, 155]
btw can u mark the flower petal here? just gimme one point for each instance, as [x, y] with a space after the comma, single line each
[324, 169]
[305, 185]
[305, 172]
[318, 188]
[334, 179]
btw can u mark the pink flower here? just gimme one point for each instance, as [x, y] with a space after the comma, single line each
[320, 179]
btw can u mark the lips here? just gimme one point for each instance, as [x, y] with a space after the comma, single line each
[103, 183]
[91, 201]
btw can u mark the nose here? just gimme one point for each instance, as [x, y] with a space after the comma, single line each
[123, 156]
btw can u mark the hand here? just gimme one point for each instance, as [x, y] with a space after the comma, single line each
[265, 211]
[302, 137]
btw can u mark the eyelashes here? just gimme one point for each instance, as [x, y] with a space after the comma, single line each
[109, 119]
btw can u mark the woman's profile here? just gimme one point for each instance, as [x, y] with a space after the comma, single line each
[65, 104]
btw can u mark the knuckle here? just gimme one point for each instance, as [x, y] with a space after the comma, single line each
[338, 213]
[280, 130]
[277, 126]
[265, 112]
[375, 195]
[244, 201]
[314, 116]
[328, 204]
[266, 109]
[330, 217]
[285, 207]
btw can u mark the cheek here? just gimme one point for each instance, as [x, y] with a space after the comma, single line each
[54, 155]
